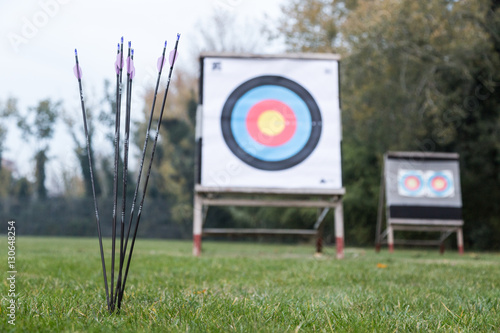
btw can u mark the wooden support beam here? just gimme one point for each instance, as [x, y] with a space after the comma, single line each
[324, 199]
[267, 203]
[423, 228]
[261, 231]
[272, 191]
[455, 223]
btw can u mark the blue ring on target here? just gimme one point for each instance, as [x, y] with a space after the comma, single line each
[259, 155]
[443, 192]
[408, 191]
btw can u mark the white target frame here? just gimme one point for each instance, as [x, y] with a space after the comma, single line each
[222, 75]
[225, 177]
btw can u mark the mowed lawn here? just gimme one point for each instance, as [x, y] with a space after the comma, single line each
[251, 287]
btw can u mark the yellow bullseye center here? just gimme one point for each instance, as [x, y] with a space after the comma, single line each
[439, 184]
[271, 122]
[412, 183]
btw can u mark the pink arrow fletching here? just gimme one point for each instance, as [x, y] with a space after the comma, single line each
[160, 63]
[78, 71]
[130, 67]
[118, 63]
[171, 57]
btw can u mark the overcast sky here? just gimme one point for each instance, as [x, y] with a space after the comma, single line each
[38, 38]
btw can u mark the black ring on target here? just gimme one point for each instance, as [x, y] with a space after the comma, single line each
[308, 136]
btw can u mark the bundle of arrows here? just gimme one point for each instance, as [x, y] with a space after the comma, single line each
[114, 294]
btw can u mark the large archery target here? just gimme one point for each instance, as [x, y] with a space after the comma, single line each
[270, 122]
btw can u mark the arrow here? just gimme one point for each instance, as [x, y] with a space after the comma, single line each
[119, 68]
[130, 65]
[130, 76]
[76, 69]
[161, 60]
[150, 162]
[173, 54]
[78, 73]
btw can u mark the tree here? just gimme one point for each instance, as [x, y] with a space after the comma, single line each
[172, 175]
[6, 111]
[415, 76]
[313, 25]
[75, 126]
[38, 124]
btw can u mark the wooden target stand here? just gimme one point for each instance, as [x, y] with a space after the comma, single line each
[446, 227]
[324, 200]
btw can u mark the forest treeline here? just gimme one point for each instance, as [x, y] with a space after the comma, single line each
[415, 76]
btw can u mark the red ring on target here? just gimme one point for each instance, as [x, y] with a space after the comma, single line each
[271, 122]
[439, 183]
[412, 183]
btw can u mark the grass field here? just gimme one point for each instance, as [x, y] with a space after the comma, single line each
[247, 287]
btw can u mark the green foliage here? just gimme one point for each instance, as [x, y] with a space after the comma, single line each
[7, 109]
[252, 288]
[40, 159]
[416, 76]
[75, 216]
[38, 124]
[39, 121]
[172, 174]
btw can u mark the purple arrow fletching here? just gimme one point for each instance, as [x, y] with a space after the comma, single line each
[118, 63]
[160, 63]
[171, 57]
[130, 67]
[78, 71]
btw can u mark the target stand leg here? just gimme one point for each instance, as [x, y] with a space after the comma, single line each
[390, 238]
[460, 241]
[339, 230]
[319, 245]
[441, 248]
[197, 225]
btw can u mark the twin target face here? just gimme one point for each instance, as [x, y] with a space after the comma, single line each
[271, 123]
[417, 183]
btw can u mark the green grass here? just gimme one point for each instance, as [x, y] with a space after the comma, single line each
[247, 287]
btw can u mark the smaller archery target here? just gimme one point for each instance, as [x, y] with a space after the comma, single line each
[440, 184]
[271, 123]
[411, 183]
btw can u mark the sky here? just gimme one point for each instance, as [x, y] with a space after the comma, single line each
[38, 38]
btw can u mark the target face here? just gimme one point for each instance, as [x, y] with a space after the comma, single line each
[271, 123]
[411, 183]
[440, 184]
[418, 183]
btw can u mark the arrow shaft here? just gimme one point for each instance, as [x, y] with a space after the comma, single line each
[98, 222]
[139, 213]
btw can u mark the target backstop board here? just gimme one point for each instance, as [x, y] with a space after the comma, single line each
[422, 193]
[268, 133]
[270, 121]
